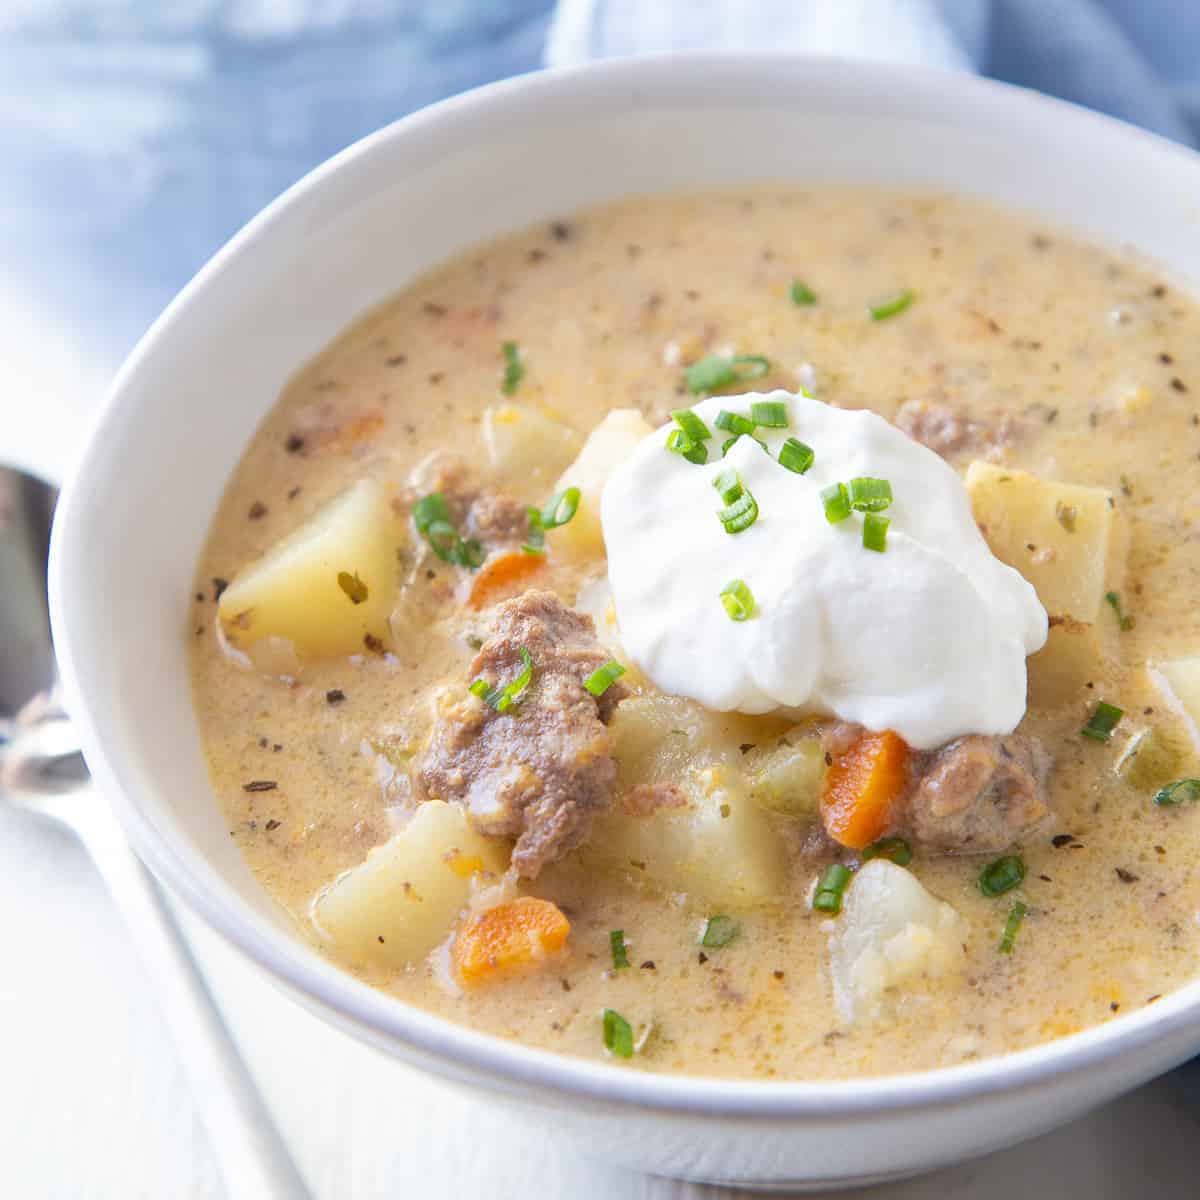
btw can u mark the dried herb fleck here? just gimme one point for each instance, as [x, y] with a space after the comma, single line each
[260, 785]
[352, 586]
[271, 825]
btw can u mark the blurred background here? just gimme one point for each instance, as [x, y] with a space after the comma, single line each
[136, 136]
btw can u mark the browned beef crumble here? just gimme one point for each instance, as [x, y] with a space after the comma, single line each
[947, 430]
[979, 794]
[498, 521]
[540, 771]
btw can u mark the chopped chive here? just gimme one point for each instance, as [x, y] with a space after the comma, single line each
[890, 305]
[802, 294]
[1124, 623]
[618, 1034]
[1179, 792]
[836, 501]
[1102, 722]
[870, 495]
[771, 414]
[740, 514]
[691, 424]
[354, 587]
[620, 952]
[875, 530]
[738, 600]
[728, 484]
[1016, 915]
[679, 443]
[1001, 876]
[735, 424]
[561, 508]
[431, 515]
[514, 369]
[796, 456]
[894, 849]
[535, 543]
[603, 677]
[717, 371]
[503, 698]
[828, 896]
[719, 931]
[429, 509]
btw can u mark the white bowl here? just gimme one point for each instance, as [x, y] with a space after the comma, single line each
[132, 521]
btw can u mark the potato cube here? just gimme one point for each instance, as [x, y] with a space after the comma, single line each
[327, 586]
[1070, 542]
[403, 899]
[526, 444]
[608, 445]
[788, 776]
[1179, 682]
[718, 847]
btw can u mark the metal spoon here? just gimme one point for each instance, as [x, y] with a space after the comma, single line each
[42, 770]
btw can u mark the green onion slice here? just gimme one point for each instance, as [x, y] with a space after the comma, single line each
[738, 600]
[836, 501]
[679, 443]
[802, 294]
[875, 530]
[716, 371]
[1124, 622]
[620, 952]
[1002, 875]
[828, 896]
[1016, 915]
[894, 849]
[771, 414]
[561, 508]
[503, 698]
[514, 369]
[431, 515]
[691, 424]
[602, 678]
[719, 931]
[618, 1034]
[890, 305]
[1177, 793]
[735, 424]
[1102, 722]
[535, 543]
[740, 514]
[728, 484]
[796, 456]
[870, 495]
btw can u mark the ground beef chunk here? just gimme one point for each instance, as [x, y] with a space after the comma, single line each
[979, 794]
[541, 770]
[947, 430]
[494, 518]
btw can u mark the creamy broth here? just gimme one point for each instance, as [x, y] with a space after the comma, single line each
[1093, 358]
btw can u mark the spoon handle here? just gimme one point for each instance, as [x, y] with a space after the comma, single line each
[252, 1158]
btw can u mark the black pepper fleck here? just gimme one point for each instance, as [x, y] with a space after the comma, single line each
[1178, 384]
[257, 511]
[397, 360]
[294, 443]
[648, 965]
[272, 825]
[560, 231]
[1126, 876]
[260, 785]
[433, 309]
[334, 696]
[218, 586]
[702, 958]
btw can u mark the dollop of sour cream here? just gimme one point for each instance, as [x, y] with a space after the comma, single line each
[928, 638]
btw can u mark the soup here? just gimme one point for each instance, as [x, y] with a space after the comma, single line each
[584, 802]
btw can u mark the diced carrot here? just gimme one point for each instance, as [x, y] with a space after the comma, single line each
[508, 938]
[500, 574]
[862, 788]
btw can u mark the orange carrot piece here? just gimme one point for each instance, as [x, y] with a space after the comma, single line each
[862, 788]
[507, 938]
[500, 574]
